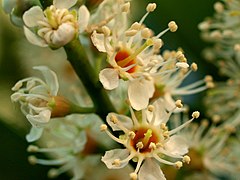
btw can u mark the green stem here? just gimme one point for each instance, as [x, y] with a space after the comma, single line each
[78, 58]
[83, 110]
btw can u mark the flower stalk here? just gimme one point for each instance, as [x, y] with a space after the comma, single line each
[78, 58]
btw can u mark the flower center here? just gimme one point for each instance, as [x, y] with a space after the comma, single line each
[144, 137]
[123, 60]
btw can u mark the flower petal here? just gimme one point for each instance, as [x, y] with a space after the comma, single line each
[32, 16]
[83, 18]
[98, 41]
[139, 92]
[109, 78]
[50, 77]
[124, 120]
[39, 120]
[33, 38]
[176, 145]
[112, 155]
[63, 35]
[160, 113]
[34, 134]
[64, 4]
[150, 170]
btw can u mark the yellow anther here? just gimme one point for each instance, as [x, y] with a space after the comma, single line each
[186, 159]
[151, 7]
[103, 127]
[172, 26]
[196, 114]
[178, 164]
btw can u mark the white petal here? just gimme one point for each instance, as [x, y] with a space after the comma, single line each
[170, 102]
[109, 78]
[124, 120]
[33, 38]
[176, 145]
[63, 35]
[112, 155]
[32, 16]
[139, 92]
[50, 77]
[150, 170]
[160, 112]
[64, 4]
[34, 134]
[83, 18]
[98, 41]
[39, 120]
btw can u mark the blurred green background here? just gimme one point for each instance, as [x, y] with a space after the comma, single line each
[14, 57]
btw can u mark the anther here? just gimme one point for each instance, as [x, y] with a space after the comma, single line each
[152, 146]
[196, 114]
[150, 108]
[178, 164]
[32, 148]
[146, 33]
[151, 7]
[32, 160]
[166, 134]
[130, 33]
[126, 7]
[216, 35]
[135, 26]
[147, 76]
[163, 126]
[208, 78]
[159, 145]
[179, 104]
[106, 30]
[182, 65]
[52, 173]
[219, 8]
[131, 134]
[157, 43]
[237, 47]
[194, 67]
[133, 176]
[17, 86]
[139, 145]
[186, 159]
[172, 26]
[210, 85]
[103, 127]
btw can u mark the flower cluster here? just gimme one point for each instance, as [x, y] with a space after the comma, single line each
[121, 64]
[222, 30]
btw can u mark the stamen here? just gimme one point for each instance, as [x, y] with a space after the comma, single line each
[151, 7]
[186, 159]
[133, 176]
[178, 164]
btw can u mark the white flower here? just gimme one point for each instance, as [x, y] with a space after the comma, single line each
[147, 141]
[211, 153]
[168, 85]
[56, 25]
[35, 98]
[70, 144]
[132, 54]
